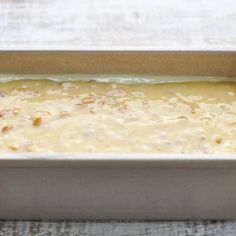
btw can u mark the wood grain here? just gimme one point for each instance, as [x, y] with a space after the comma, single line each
[175, 228]
[123, 24]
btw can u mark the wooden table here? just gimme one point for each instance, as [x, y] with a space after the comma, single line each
[118, 24]
[114, 25]
[181, 228]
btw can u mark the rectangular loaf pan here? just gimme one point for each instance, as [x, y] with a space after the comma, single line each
[118, 186]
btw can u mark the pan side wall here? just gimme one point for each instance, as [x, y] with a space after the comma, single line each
[117, 193]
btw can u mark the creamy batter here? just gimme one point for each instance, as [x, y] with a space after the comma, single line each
[47, 116]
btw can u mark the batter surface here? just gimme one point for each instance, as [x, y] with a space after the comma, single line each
[47, 116]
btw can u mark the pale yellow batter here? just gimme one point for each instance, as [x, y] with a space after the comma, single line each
[47, 116]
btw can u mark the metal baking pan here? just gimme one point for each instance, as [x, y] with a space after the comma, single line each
[118, 186]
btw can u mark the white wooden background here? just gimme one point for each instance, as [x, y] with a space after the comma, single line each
[114, 25]
[118, 24]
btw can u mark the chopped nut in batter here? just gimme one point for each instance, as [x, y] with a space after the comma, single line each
[6, 128]
[37, 120]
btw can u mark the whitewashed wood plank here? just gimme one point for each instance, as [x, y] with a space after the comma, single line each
[118, 24]
[175, 228]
